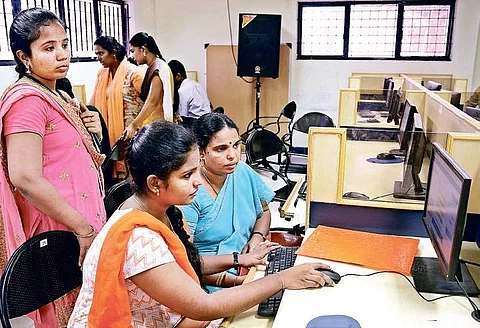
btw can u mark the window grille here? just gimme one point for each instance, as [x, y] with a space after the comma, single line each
[84, 25]
[396, 29]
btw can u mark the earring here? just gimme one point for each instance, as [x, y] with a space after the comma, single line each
[144, 54]
[157, 192]
[27, 66]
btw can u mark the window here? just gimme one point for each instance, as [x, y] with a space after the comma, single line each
[85, 19]
[411, 30]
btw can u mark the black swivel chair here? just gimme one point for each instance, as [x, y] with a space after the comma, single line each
[116, 195]
[40, 271]
[297, 156]
[260, 147]
[287, 112]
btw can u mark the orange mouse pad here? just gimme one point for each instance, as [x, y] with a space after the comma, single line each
[371, 250]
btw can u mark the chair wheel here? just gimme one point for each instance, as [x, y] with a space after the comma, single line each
[274, 177]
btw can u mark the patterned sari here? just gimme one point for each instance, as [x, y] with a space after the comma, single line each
[225, 224]
[70, 163]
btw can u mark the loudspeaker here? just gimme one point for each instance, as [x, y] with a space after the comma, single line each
[259, 45]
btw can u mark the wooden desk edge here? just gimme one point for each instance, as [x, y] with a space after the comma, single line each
[250, 276]
[291, 199]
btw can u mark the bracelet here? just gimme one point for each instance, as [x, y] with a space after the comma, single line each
[220, 278]
[235, 260]
[259, 233]
[88, 235]
[283, 282]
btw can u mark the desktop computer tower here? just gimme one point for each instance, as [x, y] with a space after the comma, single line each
[259, 45]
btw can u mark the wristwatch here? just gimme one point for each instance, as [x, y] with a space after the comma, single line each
[235, 260]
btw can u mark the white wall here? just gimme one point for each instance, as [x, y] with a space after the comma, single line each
[182, 27]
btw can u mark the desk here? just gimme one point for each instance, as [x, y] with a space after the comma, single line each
[384, 300]
[372, 179]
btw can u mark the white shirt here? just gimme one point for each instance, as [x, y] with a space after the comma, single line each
[193, 100]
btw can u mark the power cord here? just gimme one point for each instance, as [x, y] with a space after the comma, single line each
[475, 314]
[378, 197]
[231, 41]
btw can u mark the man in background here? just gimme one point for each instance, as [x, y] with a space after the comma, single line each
[191, 101]
[474, 99]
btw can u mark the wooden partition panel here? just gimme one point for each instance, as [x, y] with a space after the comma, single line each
[226, 89]
[465, 149]
[347, 110]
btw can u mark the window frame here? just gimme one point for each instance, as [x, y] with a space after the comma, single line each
[61, 5]
[399, 34]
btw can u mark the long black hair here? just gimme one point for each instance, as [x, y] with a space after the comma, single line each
[111, 44]
[208, 124]
[161, 148]
[142, 39]
[25, 29]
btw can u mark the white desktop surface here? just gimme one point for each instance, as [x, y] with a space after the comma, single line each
[382, 300]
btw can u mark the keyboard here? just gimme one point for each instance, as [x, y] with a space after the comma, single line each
[366, 114]
[279, 259]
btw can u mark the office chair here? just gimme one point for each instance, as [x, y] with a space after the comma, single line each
[40, 271]
[219, 109]
[297, 156]
[288, 112]
[262, 144]
[116, 195]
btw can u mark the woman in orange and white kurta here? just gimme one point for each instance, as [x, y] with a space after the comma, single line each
[117, 91]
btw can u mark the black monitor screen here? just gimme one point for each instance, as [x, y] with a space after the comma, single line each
[406, 124]
[445, 208]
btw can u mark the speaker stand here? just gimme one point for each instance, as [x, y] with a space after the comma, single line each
[257, 103]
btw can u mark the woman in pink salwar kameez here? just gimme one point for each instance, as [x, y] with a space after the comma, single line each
[50, 177]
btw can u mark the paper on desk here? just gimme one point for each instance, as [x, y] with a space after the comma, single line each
[371, 250]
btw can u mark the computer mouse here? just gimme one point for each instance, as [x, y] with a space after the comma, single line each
[355, 195]
[332, 274]
[385, 156]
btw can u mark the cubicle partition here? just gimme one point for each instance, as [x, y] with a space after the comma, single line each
[337, 165]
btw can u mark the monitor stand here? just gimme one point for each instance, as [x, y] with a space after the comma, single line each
[428, 278]
[397, 152]
[408, 193]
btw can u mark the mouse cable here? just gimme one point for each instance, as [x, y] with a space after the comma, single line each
[468, 262]
[375, 198]
[476, 311]
[404, 276]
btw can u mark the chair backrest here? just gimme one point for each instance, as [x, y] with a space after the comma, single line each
[40, 271]
[455, 98]
[219, 109]
[116, 195]
[262, 144]
[312, 119]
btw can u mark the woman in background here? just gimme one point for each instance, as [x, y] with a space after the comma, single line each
[117, 91]
[230, 213]
[157, 86]
[50, 177]
[142, 271]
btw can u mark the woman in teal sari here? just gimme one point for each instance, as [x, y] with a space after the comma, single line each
[229, 216]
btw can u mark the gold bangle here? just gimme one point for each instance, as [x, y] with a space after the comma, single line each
[283, 282]
[88, 235]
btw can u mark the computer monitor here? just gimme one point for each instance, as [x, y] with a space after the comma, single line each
[388, 91]
[405, 127]
[394, 109]
[473, 112]
[444, 217]
[434, 86]
[411, 187]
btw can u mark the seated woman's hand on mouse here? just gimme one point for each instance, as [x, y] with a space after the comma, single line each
[305, 276]
[258, 254]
